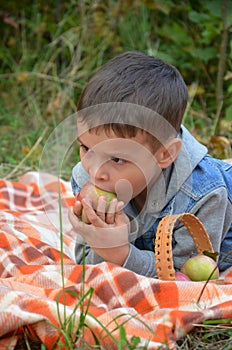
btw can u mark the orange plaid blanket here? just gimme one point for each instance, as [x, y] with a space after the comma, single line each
[42, 291]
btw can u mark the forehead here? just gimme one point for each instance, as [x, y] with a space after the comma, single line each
[99, 135]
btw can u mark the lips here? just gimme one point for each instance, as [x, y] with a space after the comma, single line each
[102, 188]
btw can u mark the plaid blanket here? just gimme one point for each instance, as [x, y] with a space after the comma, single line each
[44, 293]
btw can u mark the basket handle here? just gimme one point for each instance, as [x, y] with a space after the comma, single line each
[163, 242]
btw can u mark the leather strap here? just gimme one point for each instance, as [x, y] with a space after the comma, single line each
[163, 242]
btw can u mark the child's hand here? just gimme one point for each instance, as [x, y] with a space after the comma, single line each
[110, 213]
[107, 229]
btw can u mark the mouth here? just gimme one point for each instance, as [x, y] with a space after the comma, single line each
[103, 189]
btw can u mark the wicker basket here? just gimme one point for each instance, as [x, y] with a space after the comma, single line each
[163, 242]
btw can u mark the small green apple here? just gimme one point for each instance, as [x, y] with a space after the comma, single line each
[94, 193]
[200, 267]
[109, 196]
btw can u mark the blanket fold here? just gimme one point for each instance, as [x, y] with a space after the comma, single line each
[43, 291]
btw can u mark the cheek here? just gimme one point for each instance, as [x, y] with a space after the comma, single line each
[143, 177]
[84, 161]
[82, 153]
[124, 190]
[139, 183]
[133, 184]
[149, 170]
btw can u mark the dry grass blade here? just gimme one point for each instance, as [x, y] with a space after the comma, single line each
[15, 170]
[207, 337]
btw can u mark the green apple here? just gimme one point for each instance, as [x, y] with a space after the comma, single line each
[94, 193]
[200, 267]
[108, 195]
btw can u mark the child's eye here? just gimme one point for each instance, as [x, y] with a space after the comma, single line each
[118, 160]
[84, 148]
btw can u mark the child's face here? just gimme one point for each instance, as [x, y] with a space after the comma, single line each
[122, 165]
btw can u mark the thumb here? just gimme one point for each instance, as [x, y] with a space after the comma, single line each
[120, 217]
[77, 208]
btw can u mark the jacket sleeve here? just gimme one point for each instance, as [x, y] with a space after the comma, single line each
[139, 261]
[79, 178]
[83, 250]
[215, 213]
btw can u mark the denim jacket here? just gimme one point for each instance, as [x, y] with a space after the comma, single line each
[195, 183]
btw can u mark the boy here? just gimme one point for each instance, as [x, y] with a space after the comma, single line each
[132, 143]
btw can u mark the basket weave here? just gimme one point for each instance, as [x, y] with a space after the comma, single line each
[163, 242]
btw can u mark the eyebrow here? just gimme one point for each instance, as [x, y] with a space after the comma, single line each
[79, 140]
[81, 143]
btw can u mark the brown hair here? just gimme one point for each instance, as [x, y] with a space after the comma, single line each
[135, 79]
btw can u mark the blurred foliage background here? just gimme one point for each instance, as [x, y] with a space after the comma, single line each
[49, 50]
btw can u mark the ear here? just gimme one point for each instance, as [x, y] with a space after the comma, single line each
[167, 153]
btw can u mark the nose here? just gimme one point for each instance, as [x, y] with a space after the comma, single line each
[98, 172]
[96, 168]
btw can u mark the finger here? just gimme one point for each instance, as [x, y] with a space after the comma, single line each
[120, 217]
[77, 208]
[91, 215]
[73, 218]
[77, 224]
[119, 207]
[101, 207]
[86, 205]
[84, 218]
[110, 215]
[79, 212]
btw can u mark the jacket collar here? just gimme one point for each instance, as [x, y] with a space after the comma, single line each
[172, 178]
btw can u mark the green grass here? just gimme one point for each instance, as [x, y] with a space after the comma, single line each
[46, 61]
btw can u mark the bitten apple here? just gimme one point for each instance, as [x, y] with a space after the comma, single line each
[94, 193]
[200, 267]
